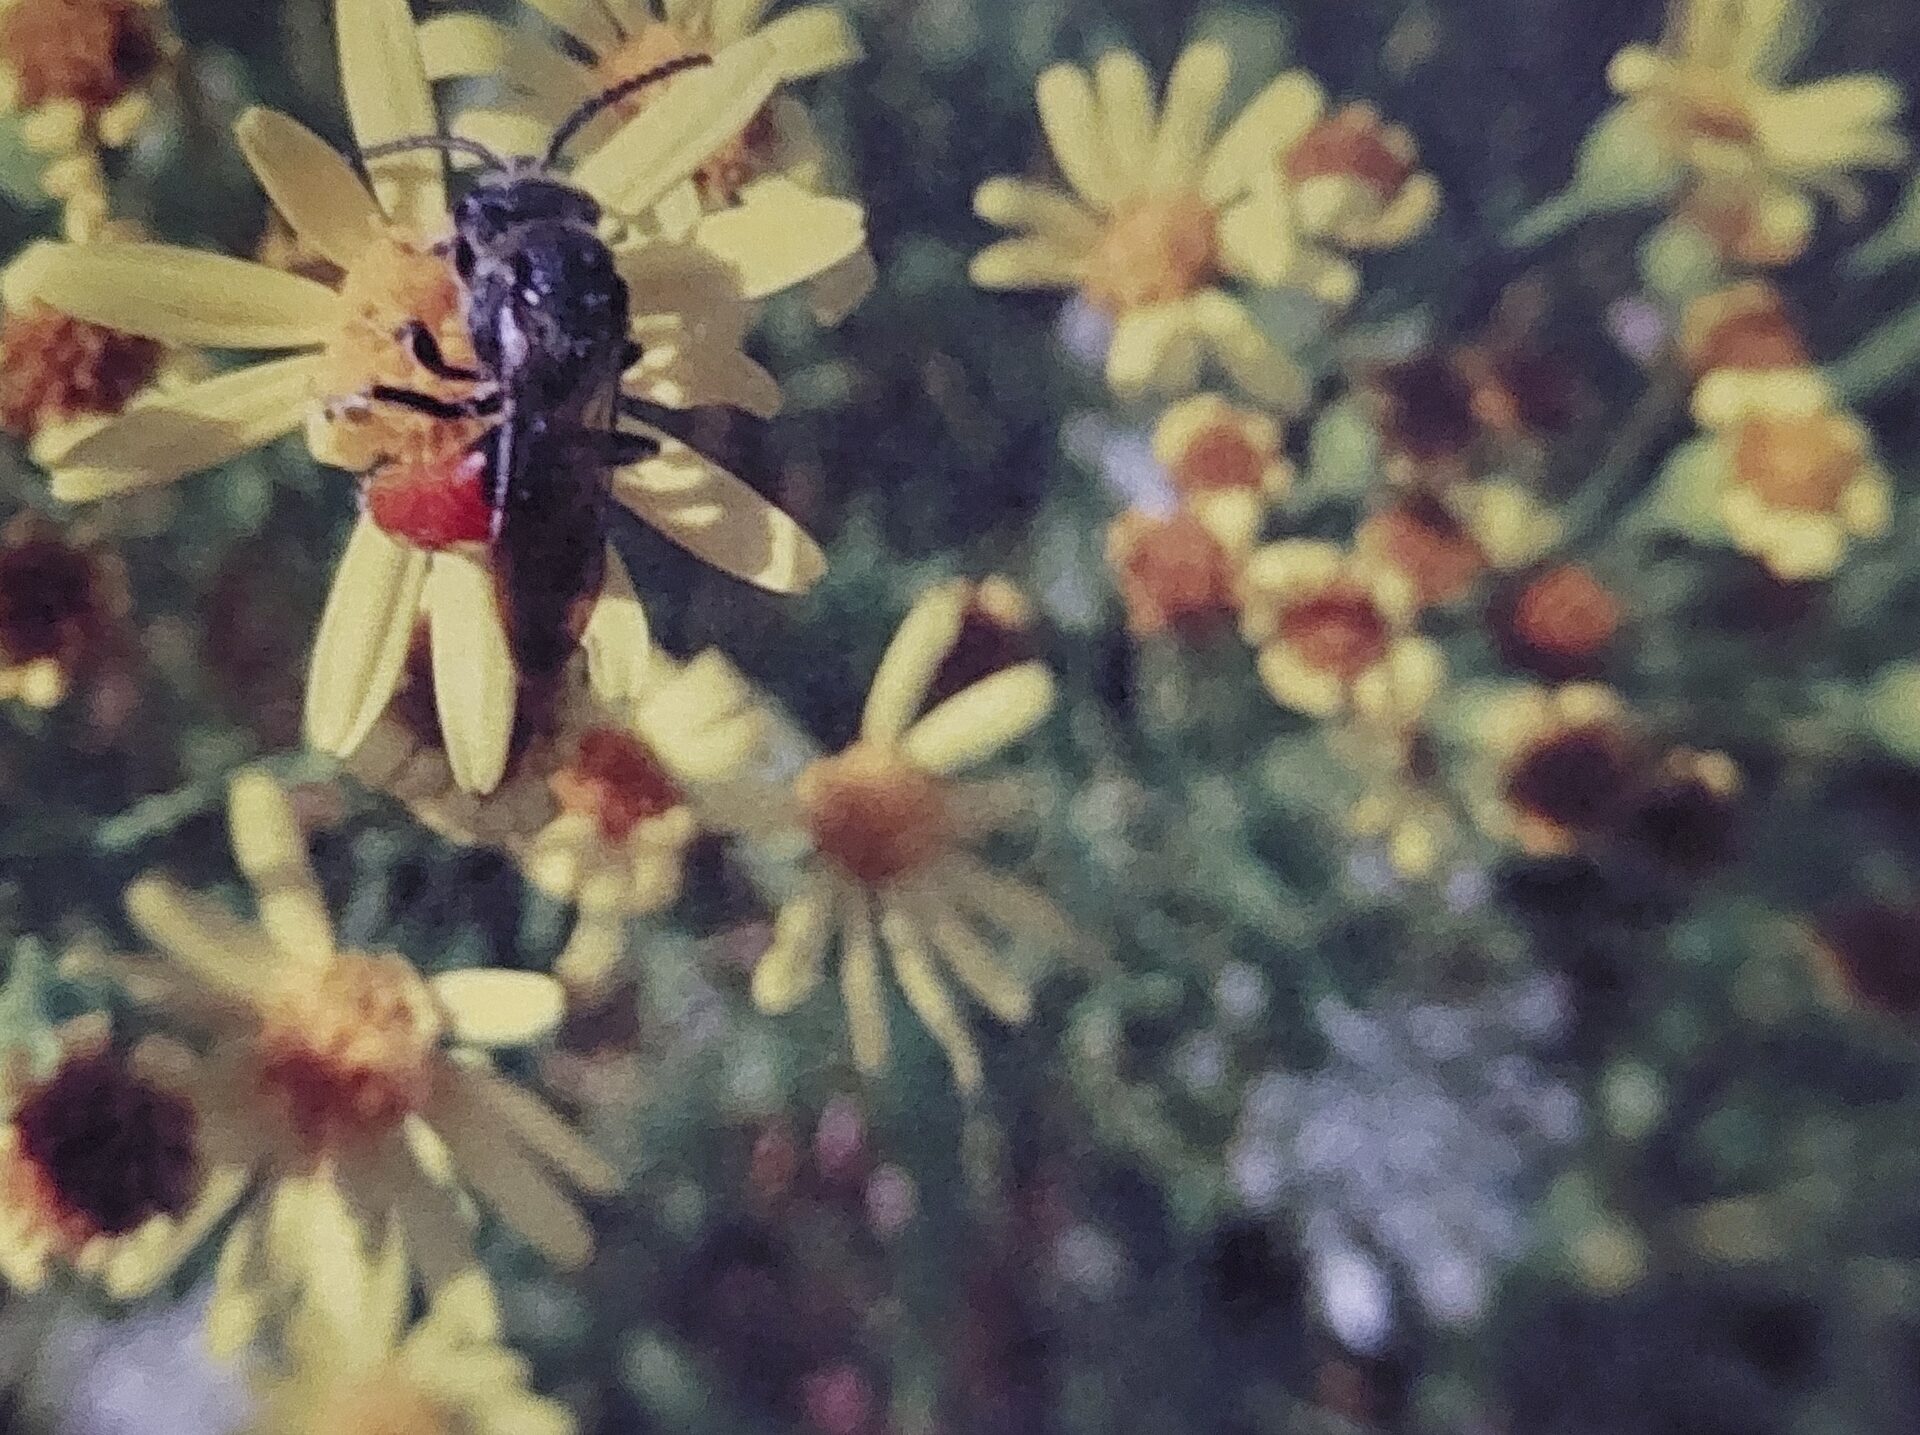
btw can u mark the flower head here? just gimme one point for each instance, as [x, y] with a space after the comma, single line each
[1224, 462]
[1152, 227]
[1335, 634]
[63, 609]
[59, 375]
[886, 825]
[1175, 575]
[1357, 180]
[1560, 623]
[1560, 766]
[1425, 541]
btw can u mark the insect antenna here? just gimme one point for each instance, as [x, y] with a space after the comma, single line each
[607, 99]
[446, 144]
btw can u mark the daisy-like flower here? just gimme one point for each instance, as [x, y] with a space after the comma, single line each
[104, 1167]
[1225, 464]
[82, 75]
[1558, 767]
[1175, 574]
[63, 610]
[1156, 220]
[344, 1356]
[1713, 106]
[416, 553]
[886, 825]
[1335, 634]
[1424, 540]
[322, 1067]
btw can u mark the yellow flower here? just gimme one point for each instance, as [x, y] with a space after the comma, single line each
[104, 1167]
[1225, 464]
[1558, 768]
[1176, 575]
[1405, 809]
[82, 75]
[1795, 479]
[63, 610]
[686, 314]
[322, 1067]
[886, 826]
[344, 1357]
[1335, 633]
[1713, 99]
[1154, 222]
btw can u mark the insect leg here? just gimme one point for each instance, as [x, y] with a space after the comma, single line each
[617, 450]
[480, 406]
[425, 349]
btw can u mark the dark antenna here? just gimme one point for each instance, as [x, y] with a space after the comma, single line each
[446, 144]
[607, 99]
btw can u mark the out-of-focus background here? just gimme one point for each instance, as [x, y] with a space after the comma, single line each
[1625, 1139]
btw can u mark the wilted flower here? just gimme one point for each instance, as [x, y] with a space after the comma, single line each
[1335, 634]
[1561, 767]
[63, 610]
[1448, 416]
[887, 828]
[350, 1070]
[1175, 575]
[1154, 221]
[1224, 463]
[1559, 624]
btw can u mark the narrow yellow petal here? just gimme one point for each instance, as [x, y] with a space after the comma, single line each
[505, 132]
[474, 680]
[459, 46]
[993, 983]
[388, 98]
[1070, 116]
[928, 996]
[588, 21]
[1194, 91]
[1125, 94]
[1010, 904]
[315, 190]
[860, 990]
[185, 296]
[365, 630]
[505, 1178]
[1261, 134]
[199, 427]
[780, 235]
[487, 1006]
[984, 719]
[919, 645]
[209, 942]
[811, 41]
[1027, 263]
[1048, 212]
[789, 969]
[719, 519]
[272, 852]
[725, 20]
[618, 641]
[540, 1129]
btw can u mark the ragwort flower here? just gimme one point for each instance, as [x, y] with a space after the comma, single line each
[349, 1070]
[886, 826]
[1175, 574]
[1149, 230]
[1558, 768]
[1224, 463]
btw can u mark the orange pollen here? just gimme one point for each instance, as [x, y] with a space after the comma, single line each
[92, 52]
[351, 1054]
[1745, 327]
[743, 158]
[54, 368]
[1567, 613]
[615, 779]
[1804, 463]
[874, 814]
[1174, 575]
[54, 600]
[1354, 143]
[1339, 630]
[1220, 456]
[1158, 249]
[1426, 543]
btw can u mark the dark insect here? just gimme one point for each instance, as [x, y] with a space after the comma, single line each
[546, 310]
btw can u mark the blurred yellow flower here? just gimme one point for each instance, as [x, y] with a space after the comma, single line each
[323, 1067]
[886, 826]
[1175, 574]
[1335, 634]
[1225, 464]
[1558, 768]
[1153, 222]
[1713, 98]
[104, 1167]
[63, 610]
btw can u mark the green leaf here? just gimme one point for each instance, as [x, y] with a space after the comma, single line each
[1622, 165]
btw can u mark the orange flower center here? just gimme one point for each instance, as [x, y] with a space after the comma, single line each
[54, 368]
[615, 779]
[99, 1150]
[1707, 108]
[1427, 544]
[1339, 630]
[1157, 249]
[1575, 779]
[1220, 456]
[1174, 575]
[396, 279]
[385, 1403]
[742, 159]
[874, 814]
[90, 51]
[1750, 330]
[351, 1054]
[1566, 613]
[1354, 143]
[1803, 463]
[51, 600]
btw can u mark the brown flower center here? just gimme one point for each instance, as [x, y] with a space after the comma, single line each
[1157, 249]
[1427, 544]
[1875, 951]
[51, 602]
[743, 158]
[874, 814]
[996, 633]
[1338, 630]
[54, 368]
[90, 51]
[1574, 779]
[1804, 463]
[110, 1150]
[1566, 613]
[1174, 575]
[1426, 410]
[1354, 143]
[1220, 456]
[349, 1055]
[1709, 109]
[615, 779]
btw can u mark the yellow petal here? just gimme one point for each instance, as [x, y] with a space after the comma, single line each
[618, 641]
[199, 427]
[724, 21]
[315, 190]
[919, 645]
[1071, 118]
[1028, 263]
[1124, 92]
[1261, 134]
[588, 21]
[789, 969]
[860, 991]
[537, 1127]
[993, 983]
[185, 296]
[488, 1006]
[215, 947]
[505, 132]
[719, 519]
[780, 235]
[474, 679]
[699, 112]
[832, 297]
[269, 846]
[983, 719]
[928, 996]
[459, 46]
[1248, 356]
[388, 98]
[505, 1178]
[1153, 349]
[1008, 903]
[811, 41]
[364, 634]
[1194, 92]
[1048, 212]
